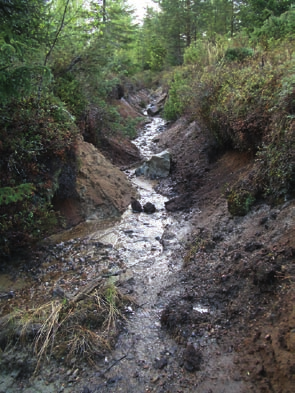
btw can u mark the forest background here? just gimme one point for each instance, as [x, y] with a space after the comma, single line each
[228, 64]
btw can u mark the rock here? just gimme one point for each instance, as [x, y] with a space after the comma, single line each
[149, 208]
[192, 358]
[162, 98]
[161, 363]
[101, 192]
[58, 292]
[136, 206]
[138, 99]
[153, 110]
[158, 166]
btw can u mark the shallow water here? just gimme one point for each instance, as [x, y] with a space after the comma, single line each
[150, 247]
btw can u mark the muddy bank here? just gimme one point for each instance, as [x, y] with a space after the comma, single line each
[240, 267]
[213, 295]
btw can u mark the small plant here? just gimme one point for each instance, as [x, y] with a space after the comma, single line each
[202, 243]
[239, 202]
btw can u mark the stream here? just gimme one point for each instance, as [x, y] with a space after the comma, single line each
[149, 246]
[149, 249]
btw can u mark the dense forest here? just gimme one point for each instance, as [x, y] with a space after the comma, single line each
[229, 64]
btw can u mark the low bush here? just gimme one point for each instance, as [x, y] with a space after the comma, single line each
[36, 142]
[248, 106]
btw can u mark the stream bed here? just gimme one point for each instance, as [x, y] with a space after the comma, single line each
[149, 248]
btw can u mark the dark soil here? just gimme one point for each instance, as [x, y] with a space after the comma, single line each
[236, 286]
[241, 268]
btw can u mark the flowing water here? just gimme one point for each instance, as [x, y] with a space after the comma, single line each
[150, 246]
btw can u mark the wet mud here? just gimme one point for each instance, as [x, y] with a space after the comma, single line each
[211, 313]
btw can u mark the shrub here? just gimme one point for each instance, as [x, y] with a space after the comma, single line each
[37, 138]
[239, 202]
[237, 54]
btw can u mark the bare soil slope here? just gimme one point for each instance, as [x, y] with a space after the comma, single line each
[240, 267]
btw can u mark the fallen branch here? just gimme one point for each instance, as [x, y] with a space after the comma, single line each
[86, 291]
[112, 365]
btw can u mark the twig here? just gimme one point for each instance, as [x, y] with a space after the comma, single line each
[112, 365]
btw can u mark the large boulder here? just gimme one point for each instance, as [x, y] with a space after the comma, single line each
[158, 166]
[158, 101]
[102, 191]
[153, 110]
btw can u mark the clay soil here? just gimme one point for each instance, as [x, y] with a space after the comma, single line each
[240, 267]
[240, 270]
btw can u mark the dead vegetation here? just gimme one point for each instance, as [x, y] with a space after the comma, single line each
[84, 327]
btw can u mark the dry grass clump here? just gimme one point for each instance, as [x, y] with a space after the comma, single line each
[80, 328]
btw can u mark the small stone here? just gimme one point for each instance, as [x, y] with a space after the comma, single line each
[136, 206]
[155, 379]
[161, 363]
[58, 292]
[149, 208]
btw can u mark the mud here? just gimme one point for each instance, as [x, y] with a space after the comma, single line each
[214, 293]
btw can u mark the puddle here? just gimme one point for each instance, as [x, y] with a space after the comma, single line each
[201, 309]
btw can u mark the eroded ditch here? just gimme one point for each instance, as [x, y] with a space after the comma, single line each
[143, 252]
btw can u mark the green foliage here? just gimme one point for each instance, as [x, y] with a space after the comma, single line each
[179, 96]
[36, 142]
[61, 62]
[157, 54]
[275, 30]
[239, 202]
[276, 175]
[21, 81]
[196, 54]
[254, 13]
[70, 92]
[15, 194]
[204, 52]
[238, 54]
[245, 105]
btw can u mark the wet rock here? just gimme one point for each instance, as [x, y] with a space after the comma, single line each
[265, 274]
[7, 295]
[136, 206]
[174, 315]
[192, 358]
[139, 99]
[153, 110]
[149, 208]
[161, 363]
[155, 379]
[158, 166]
[263, 220]
[114, 380]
